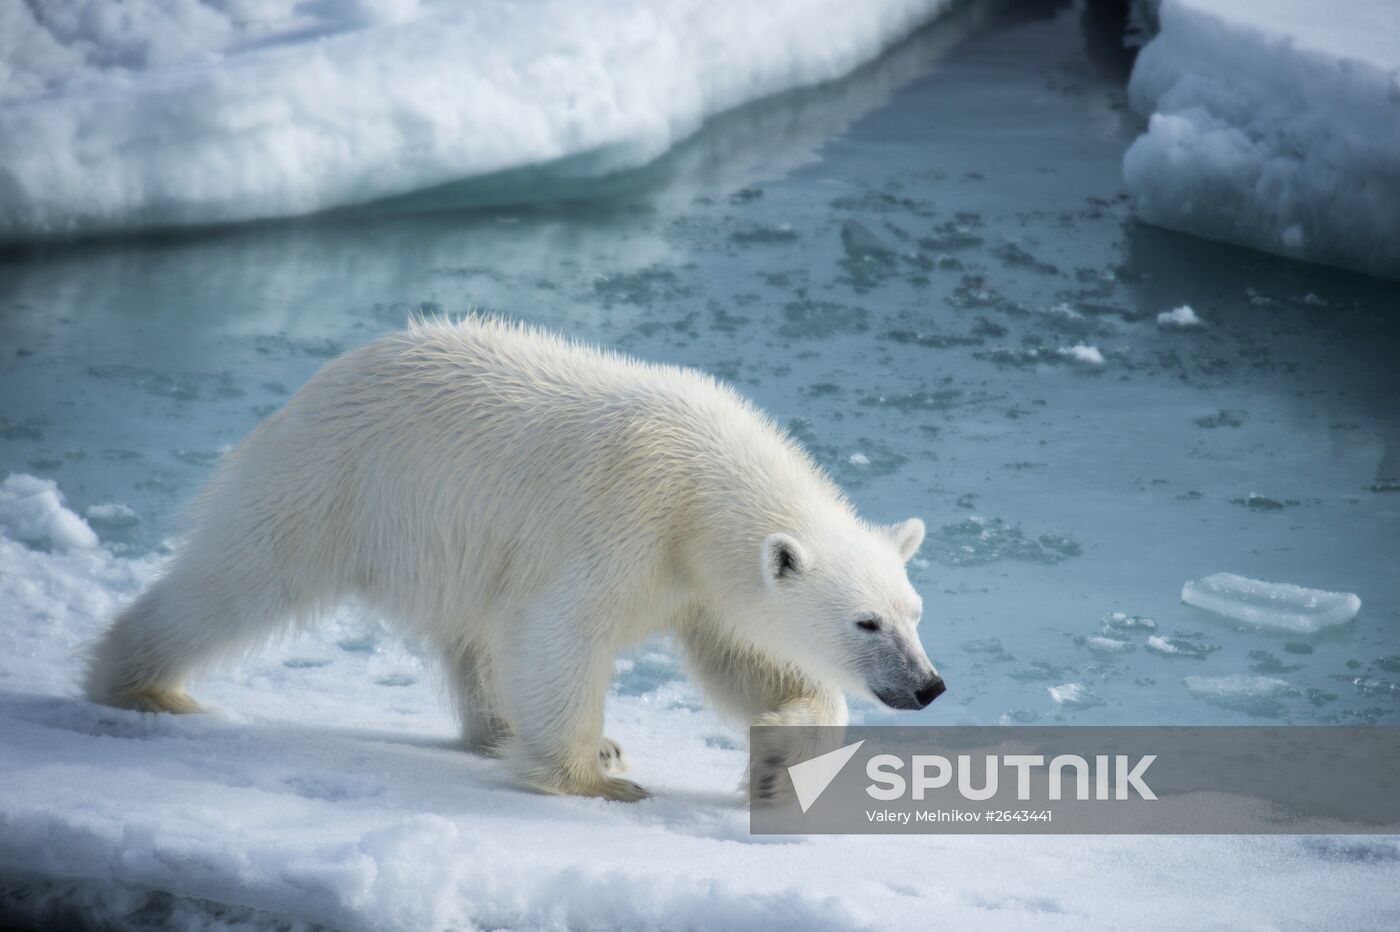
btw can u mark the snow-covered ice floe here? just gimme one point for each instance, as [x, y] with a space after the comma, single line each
[326, 789]
[161, 112]
[1271, 605]
[1274, 124]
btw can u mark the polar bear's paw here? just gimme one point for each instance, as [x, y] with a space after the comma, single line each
[175, 701]
[583, 780]
[620, 790]
[610, 756]
[769, 783]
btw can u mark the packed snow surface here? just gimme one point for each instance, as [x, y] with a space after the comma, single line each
[1274, 124]
[158, 112]
[1271, 605]
[326, 788]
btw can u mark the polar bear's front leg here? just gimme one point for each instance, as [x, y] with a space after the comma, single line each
[752, 688]
[555, 678]
[768, 780]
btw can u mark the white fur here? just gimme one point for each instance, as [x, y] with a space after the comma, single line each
[530, 507]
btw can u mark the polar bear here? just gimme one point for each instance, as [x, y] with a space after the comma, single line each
[528, 507]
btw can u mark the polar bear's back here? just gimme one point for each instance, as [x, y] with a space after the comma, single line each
[465, 463]
[482, 388]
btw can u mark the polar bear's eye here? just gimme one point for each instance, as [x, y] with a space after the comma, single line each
[868, 623]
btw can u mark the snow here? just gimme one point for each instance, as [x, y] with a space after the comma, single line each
[1271, 605]
[205, 113]
[31, 510]
[1274, 124]
[325, 788]
[1179, 318]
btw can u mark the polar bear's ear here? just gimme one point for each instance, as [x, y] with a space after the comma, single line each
[782, 558]
[907, 536]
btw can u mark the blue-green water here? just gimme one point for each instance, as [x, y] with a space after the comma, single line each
[891, 265]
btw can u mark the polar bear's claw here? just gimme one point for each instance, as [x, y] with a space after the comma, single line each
[611, 758]
[622, 791]
[770, 785]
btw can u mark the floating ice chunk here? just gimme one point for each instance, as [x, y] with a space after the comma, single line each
[1257, 502]
[1271, 605]
[1102, 645]
[1370, 686]
[1253, 695]
[1181, 318]
[1116, 623]
[859, 459]
[1074, 696]
[1190, 647]
[32, 512]
[977, 540]
[112, 515]
[1238, 684]
[1084, 355]
[781, 233]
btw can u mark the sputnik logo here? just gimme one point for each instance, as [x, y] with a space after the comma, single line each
[811, 777]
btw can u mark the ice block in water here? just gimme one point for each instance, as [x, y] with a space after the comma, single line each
[1271, 605]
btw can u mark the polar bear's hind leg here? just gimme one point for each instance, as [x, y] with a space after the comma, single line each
[555, 678]
[190, 619]
[471, 673]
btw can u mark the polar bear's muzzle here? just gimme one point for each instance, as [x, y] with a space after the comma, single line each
[918, 698]
[903, 677]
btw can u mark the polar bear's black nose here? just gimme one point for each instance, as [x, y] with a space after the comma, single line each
[930, 691]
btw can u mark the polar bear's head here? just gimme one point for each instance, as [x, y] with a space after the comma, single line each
[841, 605]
